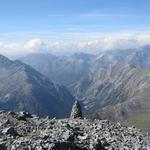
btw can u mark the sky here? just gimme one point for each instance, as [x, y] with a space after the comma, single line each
[65, 25]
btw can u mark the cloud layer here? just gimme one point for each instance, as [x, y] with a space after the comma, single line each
[99, 42]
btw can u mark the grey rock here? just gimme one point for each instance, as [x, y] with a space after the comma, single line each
[24, 115]
[10, 131]
[3, 146]
[76, 111]
[69, 134]
[96, 145]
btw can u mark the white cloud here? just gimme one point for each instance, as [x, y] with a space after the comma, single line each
[10, 49]
[86, 42]
[35, 45]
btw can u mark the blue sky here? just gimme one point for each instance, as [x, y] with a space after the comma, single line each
[36, 17]
[44, 24]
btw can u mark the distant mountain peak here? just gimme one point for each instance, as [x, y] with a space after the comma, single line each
[4, 61]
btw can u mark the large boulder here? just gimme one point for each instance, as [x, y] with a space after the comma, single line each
[10, 131]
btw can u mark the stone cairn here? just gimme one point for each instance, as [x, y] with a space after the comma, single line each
[76, 111]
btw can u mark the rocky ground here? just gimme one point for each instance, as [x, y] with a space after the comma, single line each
[22, 131]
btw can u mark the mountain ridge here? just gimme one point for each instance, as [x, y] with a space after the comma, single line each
[57, 68]
[23, 88]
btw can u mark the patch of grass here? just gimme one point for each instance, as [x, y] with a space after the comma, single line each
[139, 120]
[33, 134]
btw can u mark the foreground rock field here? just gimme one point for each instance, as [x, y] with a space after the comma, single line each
[22, 131]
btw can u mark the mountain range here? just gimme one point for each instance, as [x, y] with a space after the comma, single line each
[24, 89]
[112, 84]
[65, 70]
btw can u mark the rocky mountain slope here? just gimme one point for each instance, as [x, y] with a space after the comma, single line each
[118, 90]
[23, 88]
[25, 131]
[64, 70]
[117, 85]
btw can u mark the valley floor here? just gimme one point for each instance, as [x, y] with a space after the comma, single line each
[139, 120]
